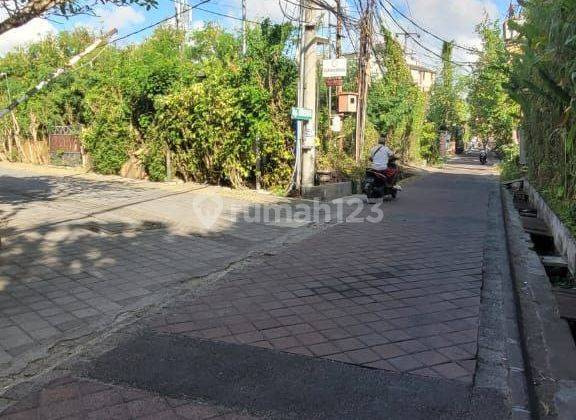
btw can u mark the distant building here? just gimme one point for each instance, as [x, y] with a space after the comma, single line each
[377, 69]
[423, 77]
[509, 34]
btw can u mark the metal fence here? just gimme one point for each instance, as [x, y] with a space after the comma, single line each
[65, 146]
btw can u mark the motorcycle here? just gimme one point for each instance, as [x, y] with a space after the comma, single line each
[379, 184]
[483, 157]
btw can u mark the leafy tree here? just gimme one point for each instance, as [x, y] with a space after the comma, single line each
[154, 68]
[109, 138]
[493, 114]
[395, 105]
[59, 105]
[143, 100]
[268, 101]
[444, 96]
[543, 82]
[448, 110]
[429, 144]
[254, 95]
[200, 124]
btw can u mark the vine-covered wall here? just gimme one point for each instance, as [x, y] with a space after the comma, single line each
[543, 82]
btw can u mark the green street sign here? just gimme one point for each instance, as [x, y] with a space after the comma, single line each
[301, 114]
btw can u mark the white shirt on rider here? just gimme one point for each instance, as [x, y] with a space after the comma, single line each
[380, 157]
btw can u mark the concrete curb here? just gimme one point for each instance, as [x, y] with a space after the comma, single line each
[492, 366]
[500, 363]
[328, 192]
[548, 345]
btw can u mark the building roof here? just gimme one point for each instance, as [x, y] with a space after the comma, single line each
[419, 67]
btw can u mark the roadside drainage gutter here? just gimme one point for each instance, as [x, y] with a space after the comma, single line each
[550, 353]
[563, 239]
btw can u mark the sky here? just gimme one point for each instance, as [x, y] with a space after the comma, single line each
[449, 19]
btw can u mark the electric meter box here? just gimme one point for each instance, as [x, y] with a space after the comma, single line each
[348, 102]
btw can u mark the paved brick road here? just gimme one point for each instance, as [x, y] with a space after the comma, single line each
[400, 296]
[69, 397]
[81, 252]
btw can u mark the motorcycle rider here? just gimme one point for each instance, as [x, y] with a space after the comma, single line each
[483, 156]
[381, 176]
[380, 155]
[383, 160]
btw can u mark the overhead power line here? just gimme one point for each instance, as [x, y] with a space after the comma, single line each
[286, 15]
[417, 41]
[326, 6]
[416, 24]
[304, 6]
[346, 23]
[160, 21]
[212, 12]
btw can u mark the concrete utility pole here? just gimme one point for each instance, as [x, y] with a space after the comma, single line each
[366, 31]
[310, 75]
[244, 29]
[183, 15]
[406, 36]
[339, 36]
[299, 104]
[183, 21]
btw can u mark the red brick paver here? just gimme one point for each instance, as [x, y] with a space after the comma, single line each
[401, 295]
[71, 398]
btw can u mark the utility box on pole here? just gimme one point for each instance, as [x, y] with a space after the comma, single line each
[348, 103]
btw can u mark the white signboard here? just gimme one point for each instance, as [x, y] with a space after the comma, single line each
[334, 68]
[336, 124]
[309, 138]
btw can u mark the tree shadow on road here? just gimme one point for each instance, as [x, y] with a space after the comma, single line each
[76, 276]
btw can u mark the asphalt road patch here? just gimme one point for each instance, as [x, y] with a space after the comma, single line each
[278, 385]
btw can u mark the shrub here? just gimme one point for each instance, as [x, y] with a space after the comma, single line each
[108, 141]
[510, 167]
[429, 144]
[154, 161]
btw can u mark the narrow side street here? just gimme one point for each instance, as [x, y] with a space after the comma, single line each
[401, 295]
[397, 319]
[287, 209]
